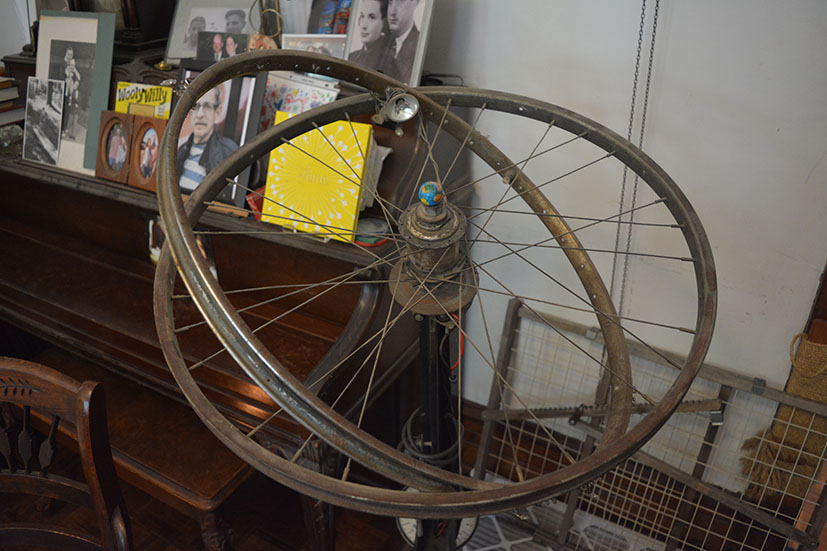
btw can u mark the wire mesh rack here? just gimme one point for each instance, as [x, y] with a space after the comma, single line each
[737, 467]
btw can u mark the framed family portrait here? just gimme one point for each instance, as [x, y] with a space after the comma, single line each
[76, 48]
[196, 16]
[389, 36]
[143, 155]
[222, 120]
[113, 146]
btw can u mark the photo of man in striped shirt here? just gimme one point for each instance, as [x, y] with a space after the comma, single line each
[205, 148]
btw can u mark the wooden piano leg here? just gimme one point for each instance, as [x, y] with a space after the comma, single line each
[319, 517]
[319, 521]
[216, 532]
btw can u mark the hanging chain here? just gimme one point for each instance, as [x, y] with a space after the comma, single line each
[628, 243]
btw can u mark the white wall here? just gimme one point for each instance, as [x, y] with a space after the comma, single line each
[737, 116]
[14, 26]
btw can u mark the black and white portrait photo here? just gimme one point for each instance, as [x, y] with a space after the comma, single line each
[44, 109]
[215, 46]
[73, 63]
[389, 36]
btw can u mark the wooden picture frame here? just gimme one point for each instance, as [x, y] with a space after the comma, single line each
[76, 47]
[374, 45]
[144, 151]
[114, 146]
[233, 121]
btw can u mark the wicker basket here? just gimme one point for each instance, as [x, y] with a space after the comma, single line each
[783, 458]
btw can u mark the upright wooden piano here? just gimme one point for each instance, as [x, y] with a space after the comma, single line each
[76, 274]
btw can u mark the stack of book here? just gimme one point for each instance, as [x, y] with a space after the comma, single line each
[11, 107]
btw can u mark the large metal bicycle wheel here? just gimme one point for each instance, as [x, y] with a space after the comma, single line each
[448, 494]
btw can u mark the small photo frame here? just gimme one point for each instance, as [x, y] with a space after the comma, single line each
[44, 111]
[390, 37]
[223, 120]
[215, 46]
[114, 146]
[143, 155]
[327, 44]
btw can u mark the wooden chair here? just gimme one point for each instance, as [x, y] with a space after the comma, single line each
[44, 394]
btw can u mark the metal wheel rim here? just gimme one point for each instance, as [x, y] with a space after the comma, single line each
[484, 499]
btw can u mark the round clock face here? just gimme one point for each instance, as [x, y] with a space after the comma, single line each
[408, 528]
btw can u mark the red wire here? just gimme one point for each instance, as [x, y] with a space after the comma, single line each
[442, 526]
[377, 244]
[461, 343]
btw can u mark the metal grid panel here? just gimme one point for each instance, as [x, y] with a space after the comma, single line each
[647, 497]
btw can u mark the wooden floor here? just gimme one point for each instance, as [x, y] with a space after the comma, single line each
[263, 516]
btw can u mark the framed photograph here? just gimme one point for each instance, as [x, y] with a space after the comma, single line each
[44, 113]
[294, 93]
[327, 44]
[390, 36]
[143, 153]
[215, 46]
[113, 146]
[223, 119]
[76, 48]
[195, 16]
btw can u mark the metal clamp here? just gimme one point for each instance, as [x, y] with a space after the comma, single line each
[759, 386]
[578, 413]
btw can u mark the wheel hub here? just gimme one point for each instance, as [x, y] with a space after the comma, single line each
[434, 276]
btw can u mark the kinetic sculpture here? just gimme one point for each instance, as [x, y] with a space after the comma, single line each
[439, 266]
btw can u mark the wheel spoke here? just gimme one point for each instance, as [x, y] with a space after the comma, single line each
[276, 318]
[409, 304]
[523, 245]
[499, 377]
[515, 164]
[573, 217]
[520, 172]
[333, 283]
[547, 239]
[519, 194]
[429, 154]
[604, 315]
[571, 342]
[499, 382]
[462, 146]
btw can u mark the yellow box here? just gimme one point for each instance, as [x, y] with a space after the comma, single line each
[143, 99]
[315, 182]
